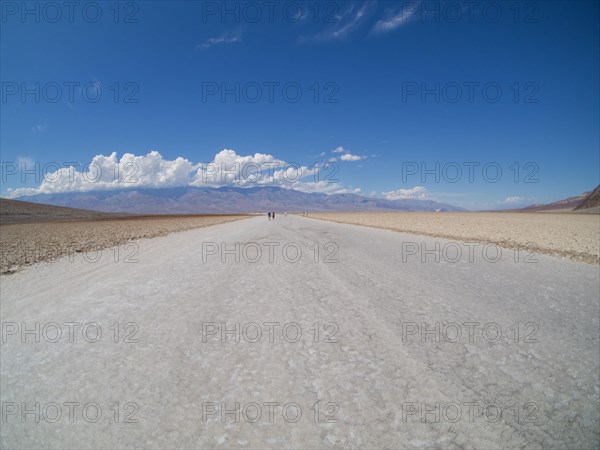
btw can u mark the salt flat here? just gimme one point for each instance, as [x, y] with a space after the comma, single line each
[572, 235]
[389, 341]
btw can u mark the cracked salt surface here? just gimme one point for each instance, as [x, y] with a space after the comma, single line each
[365, 386]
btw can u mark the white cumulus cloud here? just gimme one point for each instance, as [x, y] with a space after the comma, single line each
[347, 156]
[350, 157]
[152, 170]
[418, 192]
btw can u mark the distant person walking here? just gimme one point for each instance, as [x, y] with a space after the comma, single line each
[269, 215]
[285, 214]
[273, 214]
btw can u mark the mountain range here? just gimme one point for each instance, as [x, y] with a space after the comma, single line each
[203, 200]
[584, 202]
[591, 201]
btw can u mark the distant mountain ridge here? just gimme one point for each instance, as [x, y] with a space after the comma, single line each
[591, 201]
[568, 203]
[191, 200]
[585, 201]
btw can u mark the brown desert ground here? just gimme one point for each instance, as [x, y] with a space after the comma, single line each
[33, 232]
[16, 211]
[570, 235]
[27, 243]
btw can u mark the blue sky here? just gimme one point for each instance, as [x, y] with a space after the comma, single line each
[528, 81]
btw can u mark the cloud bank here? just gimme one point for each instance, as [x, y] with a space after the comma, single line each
[152, 170]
